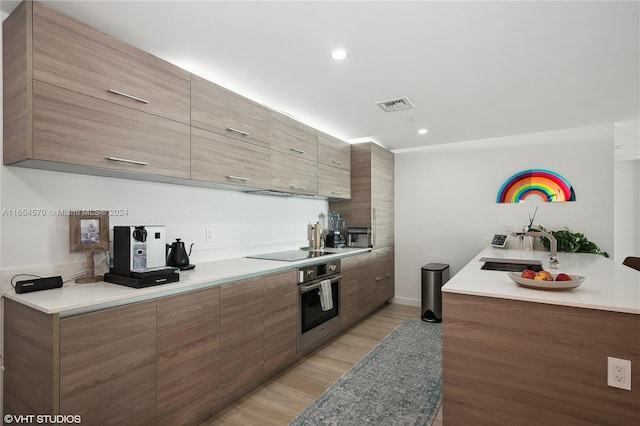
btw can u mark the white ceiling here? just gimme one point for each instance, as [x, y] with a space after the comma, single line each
[473, 70]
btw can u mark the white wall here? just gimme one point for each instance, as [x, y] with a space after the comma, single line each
[627, 190]
[242, 223]
[446, 208]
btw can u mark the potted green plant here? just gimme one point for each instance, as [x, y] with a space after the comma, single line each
[571, 242]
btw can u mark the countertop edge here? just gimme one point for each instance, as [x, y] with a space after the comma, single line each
[622, 309]
[609, 286]
[124, 295]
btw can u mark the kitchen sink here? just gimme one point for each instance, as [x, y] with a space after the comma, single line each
[510, 267]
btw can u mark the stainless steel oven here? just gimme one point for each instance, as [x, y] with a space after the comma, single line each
[315, 322]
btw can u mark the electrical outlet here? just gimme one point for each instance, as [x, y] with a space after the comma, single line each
[619, 373]
[208, 235]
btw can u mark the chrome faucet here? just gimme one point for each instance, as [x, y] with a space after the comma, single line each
[553, 258]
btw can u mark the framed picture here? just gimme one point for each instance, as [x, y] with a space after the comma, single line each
[88, 230]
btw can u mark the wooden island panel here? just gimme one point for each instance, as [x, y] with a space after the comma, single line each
[509, 362]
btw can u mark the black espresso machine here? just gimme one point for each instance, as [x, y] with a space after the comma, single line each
[139, 257]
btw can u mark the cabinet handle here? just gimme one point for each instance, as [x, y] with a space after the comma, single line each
[302, 188]
[339, 163]
[336, 193]
[240, 178]
[374, 228]
[240, 132]
[124, 160]
[126, 95]
[383, 277]
[307, 288]
[299, 151]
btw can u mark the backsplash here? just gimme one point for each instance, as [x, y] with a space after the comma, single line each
[35, 228]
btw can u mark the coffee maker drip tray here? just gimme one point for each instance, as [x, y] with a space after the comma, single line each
[154, 279]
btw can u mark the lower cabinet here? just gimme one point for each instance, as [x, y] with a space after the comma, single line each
[280, 319]
[172, 360]
[349, 313]
[257, 331]
[241, 337]
[383, 271]
[108, 365]
[187, 357]
[367, 283]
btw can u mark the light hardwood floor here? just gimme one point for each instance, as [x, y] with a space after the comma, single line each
[279, 400]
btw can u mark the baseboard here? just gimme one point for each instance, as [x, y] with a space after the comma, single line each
[406, 301]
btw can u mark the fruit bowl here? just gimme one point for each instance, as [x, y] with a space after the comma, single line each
[576, 280]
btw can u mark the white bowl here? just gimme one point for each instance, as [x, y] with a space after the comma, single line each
[576, 280]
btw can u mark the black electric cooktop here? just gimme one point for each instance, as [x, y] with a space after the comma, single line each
[289, 255]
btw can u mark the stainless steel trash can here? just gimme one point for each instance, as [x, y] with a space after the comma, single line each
[434, 276]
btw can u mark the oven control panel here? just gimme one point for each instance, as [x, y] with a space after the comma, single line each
[318, 270]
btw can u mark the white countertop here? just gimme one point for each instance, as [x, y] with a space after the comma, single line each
[608, 286]
[72, 298]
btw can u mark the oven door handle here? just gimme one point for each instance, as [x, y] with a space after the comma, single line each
[307, 288]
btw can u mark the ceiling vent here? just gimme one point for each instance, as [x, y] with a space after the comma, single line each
[395, 104]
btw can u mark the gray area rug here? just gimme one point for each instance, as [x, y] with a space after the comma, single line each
[398, 383]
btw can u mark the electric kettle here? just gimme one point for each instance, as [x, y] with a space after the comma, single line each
[177, 255]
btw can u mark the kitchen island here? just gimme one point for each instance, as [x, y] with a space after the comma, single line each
[516, 355]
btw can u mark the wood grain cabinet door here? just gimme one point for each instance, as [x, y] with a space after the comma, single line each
[217, 158]
[280, 321]
[333, 152]
[222, 111]
[241, 337]
[292, 174]
[334, 182]
[188, 357]
[292, 137]
[383, 270]
[73, 128]
[349, 291]
[70, 54]
[29, 362]
[366, 285]
[108, 365]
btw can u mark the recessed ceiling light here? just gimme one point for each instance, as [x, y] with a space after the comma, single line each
[339, 54]
[422, 131]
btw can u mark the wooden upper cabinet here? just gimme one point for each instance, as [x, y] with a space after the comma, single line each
[294, 138]
[73, 128]
[217, 158]
[372, 192]
[222, 111]
[70, 54]
[333, 152]
[59, 112]
[382, 185]
[333, 182]
[292, 174]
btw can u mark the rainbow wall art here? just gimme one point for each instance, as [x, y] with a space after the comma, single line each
[548, 185]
